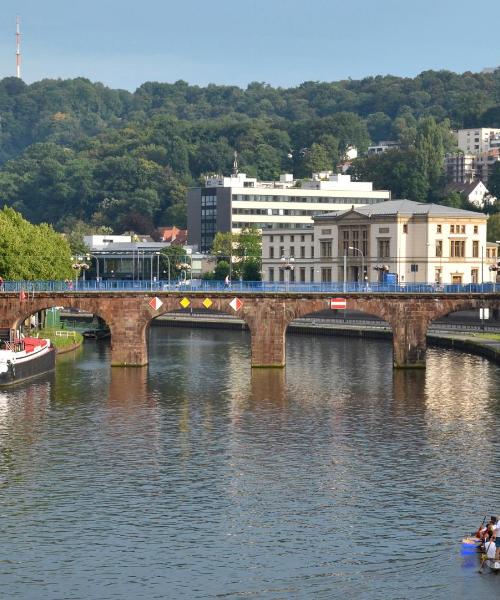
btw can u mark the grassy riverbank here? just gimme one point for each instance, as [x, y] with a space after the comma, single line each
[488, 336]
[67, 341]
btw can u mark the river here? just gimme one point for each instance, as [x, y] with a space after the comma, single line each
[200, 478]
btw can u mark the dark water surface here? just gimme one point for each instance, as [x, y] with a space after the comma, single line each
[198, 478]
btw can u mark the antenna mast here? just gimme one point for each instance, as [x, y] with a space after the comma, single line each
[18, 49]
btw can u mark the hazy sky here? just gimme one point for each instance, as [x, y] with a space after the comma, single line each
[283, 42]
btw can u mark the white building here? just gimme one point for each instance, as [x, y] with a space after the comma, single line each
[475, 141]
[233, 203]
[418, 242]
[383, 146]
[474, 192]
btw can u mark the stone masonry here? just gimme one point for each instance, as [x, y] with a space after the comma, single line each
[129, 315]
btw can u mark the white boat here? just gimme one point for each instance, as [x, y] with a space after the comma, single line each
[24, 358]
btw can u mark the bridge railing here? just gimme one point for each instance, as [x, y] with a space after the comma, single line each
[199, 285]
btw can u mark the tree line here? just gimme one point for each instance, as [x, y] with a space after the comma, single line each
[79, 155]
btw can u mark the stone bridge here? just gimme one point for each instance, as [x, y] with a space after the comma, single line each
[129, 314]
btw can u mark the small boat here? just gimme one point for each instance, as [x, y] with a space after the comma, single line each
[24, 358]
[97, 334]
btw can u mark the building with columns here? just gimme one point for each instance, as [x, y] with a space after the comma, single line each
[417, 242]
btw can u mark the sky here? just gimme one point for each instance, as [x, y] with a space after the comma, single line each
[123, 43]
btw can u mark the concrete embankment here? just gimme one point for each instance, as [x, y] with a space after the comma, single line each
[467, 342]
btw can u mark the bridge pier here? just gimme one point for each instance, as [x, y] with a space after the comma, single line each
[409, 336]
[129, 346]
[267, 342]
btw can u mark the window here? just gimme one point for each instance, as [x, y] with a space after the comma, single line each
[462, 228]
[474, 275]
[312, 274]
[281, 238]
[271, 274]
[291, 276]
[326, 275]
[302, 275]
[405, 227]
[271, 238]
[325, 247]
[302, 238]
[312, 251]
[282, 251]
[302, 252]
[292, 238]
[384, 248]
[457, 248]
[475, 249]
[282, 275]
[439, 248]
[476, 229]
[271, 252]
[438, 229]
[292, 251]
[452, 228]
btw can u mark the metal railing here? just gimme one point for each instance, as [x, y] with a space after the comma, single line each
[27, 289]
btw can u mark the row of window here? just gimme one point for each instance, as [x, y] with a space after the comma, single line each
[275, 212]
[456, 228]
[299, 275]
[292, 238]
[307, 199]
[290, 275]
[291, 252]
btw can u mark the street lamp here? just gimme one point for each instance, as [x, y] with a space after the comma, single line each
[362, 261]
[78, 265]
[287, 265]
[89, 256]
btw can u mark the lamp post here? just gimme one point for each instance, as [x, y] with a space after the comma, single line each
[362, 262]
[287, 266]
[89, 256]
[168, 262]
[78, 265]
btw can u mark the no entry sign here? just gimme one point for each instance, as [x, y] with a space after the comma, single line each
[338, 303]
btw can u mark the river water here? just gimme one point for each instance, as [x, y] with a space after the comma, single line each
[198, 478]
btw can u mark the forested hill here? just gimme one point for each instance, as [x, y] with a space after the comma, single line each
[72, 148]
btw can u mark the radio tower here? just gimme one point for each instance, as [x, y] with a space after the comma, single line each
[18, 49]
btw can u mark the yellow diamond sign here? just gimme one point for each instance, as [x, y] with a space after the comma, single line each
[207, 303]
[185, 302]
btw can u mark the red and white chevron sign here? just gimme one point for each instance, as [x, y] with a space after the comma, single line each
[338, 303]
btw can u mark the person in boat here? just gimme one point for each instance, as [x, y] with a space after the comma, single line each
[490, 551]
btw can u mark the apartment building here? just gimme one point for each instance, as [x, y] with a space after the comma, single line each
[476, 141]
[460, 168]
[418, 242]
[232, 203]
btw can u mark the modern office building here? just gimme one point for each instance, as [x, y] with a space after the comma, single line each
[231, 203]
[417, 242]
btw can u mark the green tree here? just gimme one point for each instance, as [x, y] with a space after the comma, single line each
[494, 227]
[494, 180]
[172, 259]
[30, 252]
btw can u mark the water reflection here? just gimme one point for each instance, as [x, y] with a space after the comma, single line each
[199, 477]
